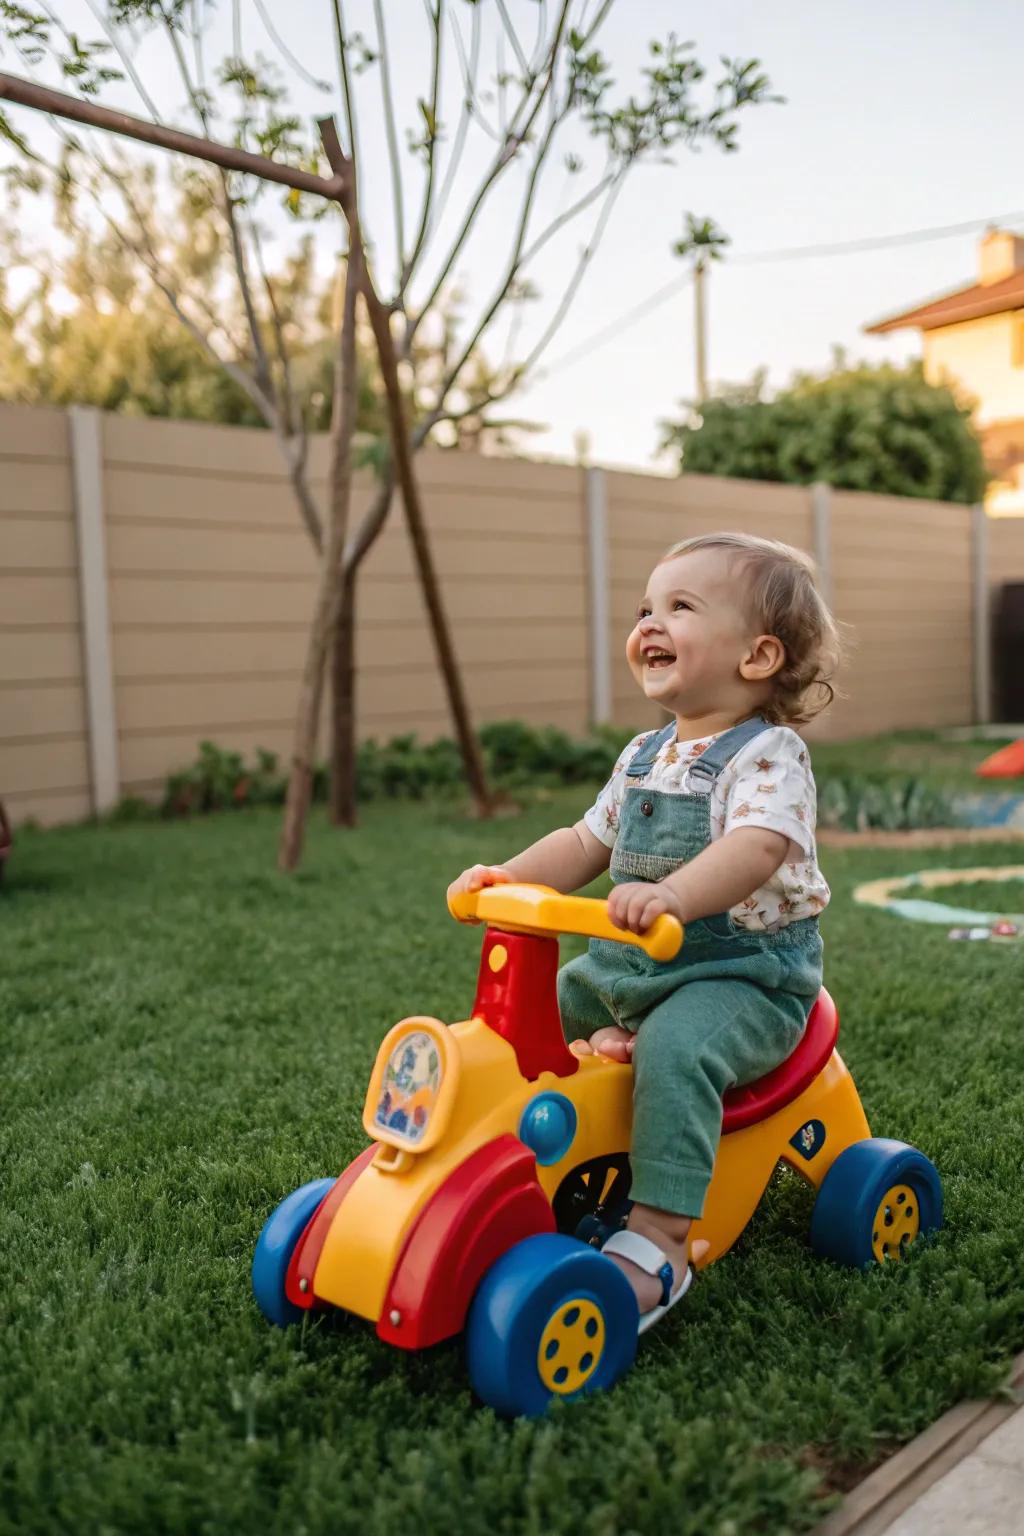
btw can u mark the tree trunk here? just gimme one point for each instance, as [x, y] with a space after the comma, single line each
[343, 803]
[401, 451]
[343, 808]
[468, 745]
[330, 588]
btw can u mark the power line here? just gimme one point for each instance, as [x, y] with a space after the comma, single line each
[788, 253]
[879, 242]
[622, 323]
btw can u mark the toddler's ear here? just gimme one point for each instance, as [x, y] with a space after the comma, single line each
[767, 655]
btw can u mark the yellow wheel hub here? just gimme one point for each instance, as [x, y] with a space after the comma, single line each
[571, 1345]
[896, 1224]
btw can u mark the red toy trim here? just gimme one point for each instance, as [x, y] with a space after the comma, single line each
[756, 1101]
[310, 1245]
[491, 1201]
[518, 999]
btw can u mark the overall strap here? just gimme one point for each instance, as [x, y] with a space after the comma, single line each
[643, 762]
[709, 765]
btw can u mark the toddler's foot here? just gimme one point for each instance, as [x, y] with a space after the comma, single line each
[613, 1043]
[676, 1249]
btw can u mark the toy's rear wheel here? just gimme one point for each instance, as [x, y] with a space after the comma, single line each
[551, 1318]
[275, 1246]
[877, 1197]
[592, 1200]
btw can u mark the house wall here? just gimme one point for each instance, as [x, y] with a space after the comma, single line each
[976, 358]
[1005, 549]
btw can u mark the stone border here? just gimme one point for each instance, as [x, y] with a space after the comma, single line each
[921, 837]
[871, 1507]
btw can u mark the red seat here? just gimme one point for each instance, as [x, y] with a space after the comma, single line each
[756, 1101]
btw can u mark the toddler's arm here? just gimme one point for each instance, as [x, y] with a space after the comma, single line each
[727, 872]
[565, 859]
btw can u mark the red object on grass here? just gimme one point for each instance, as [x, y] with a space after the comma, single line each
[756, 1101]
[517, 997]
[488, 1203]
[5, 837]
[1007, 763]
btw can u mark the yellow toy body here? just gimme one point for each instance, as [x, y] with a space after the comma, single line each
[490, 1138]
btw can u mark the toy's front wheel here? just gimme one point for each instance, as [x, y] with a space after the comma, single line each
[552, 1318]
[877, 1197]
[275, 1246]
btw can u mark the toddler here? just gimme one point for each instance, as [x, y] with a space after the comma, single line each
[711, 819]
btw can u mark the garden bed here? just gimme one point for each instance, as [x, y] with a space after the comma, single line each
[187, 1036]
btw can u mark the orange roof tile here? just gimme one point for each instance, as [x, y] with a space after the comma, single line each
[965, 304]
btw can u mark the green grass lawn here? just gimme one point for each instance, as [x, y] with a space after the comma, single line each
[187, 1036]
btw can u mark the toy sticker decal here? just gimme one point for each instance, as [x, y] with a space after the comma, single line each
[410, 1087]
[809, 1139]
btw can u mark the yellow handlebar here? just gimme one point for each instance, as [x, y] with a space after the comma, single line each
[539, 909]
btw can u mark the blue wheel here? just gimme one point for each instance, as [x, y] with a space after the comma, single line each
[274, 1248]
[552, 1318]
[877, 1197]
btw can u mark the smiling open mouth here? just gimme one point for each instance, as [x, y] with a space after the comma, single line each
[655, 659]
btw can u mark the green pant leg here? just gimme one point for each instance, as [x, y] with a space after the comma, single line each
[705, 1038]
[581, 999]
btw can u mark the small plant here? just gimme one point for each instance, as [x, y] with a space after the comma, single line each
[220, 780]
[857, 802]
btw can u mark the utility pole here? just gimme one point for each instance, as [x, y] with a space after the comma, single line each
[700, 333]
[702, 243]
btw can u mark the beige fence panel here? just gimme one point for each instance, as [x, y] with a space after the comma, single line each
[44, 758]
[903, 589]
[211, 577]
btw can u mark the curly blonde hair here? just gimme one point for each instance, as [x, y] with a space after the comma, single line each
[782, 599]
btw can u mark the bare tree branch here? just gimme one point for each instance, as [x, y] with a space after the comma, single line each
[470, 103]
[515, 262]
[285, 52]
[432, 137]
[566, 217]
[125, 57]
[359, 543]
[391, 131]
[504, 156]
[586, 257]
[465, 116]
[292, 415]
[264, 376]
[341, 42]
[513, 39]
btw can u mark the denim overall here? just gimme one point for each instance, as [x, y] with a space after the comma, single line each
[731, 1006]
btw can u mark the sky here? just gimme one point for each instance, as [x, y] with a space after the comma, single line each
[897, 118]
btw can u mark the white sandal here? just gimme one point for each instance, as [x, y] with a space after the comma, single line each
[639, 1250]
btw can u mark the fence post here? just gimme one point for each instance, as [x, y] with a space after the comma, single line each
[90, 524]
[821, 513]
[981, 616]
[600, 597]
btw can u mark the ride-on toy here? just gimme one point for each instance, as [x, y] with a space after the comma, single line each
[500, 1162]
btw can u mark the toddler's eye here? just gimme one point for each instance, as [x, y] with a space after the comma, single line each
[679, 603]
[642, 611]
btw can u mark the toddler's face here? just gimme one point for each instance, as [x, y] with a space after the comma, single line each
[691, 635]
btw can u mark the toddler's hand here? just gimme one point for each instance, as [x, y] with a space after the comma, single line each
[636, 904]
[479, 875]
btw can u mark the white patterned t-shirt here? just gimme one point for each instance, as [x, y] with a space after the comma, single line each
[769, 784]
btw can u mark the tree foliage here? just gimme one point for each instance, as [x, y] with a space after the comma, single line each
[864, 428]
